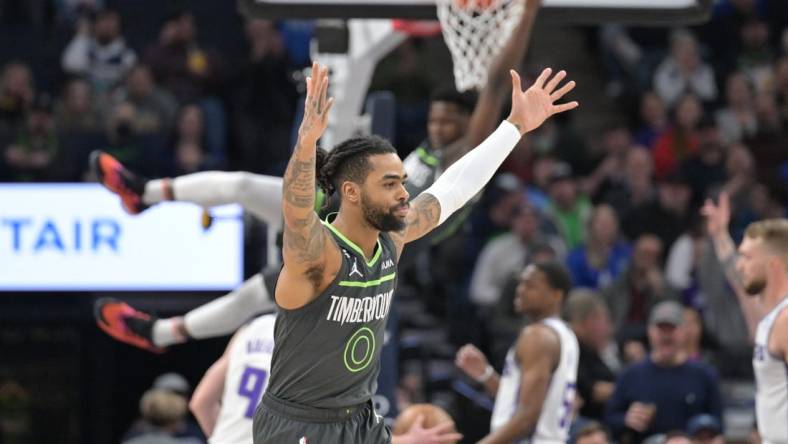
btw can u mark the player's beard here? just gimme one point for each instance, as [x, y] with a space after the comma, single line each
[755, 286]
[382, 219]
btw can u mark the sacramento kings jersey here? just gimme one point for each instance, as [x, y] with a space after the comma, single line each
[771, 395]
[327, 353]
[247, 375]
[556, 416]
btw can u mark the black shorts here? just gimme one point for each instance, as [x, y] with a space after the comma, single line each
[279, 422]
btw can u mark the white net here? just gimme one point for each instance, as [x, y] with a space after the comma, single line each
[475, 31]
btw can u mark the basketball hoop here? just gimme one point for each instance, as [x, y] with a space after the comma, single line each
[475, 32]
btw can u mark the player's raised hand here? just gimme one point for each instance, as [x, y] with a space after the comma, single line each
[317, 105]
[532, 107]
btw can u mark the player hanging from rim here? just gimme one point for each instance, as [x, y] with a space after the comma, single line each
[330, 326]
[455, 127]
[225, 399]
[759, 277]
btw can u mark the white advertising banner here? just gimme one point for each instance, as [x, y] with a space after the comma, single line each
[74, 237]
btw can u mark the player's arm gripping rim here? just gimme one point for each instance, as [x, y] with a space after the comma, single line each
[538, 352]
[491, 98]
[307, 246]
[471, 173]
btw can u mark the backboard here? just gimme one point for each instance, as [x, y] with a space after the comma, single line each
[644, 12]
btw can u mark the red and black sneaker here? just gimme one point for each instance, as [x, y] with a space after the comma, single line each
[118, 179]
[124, 323]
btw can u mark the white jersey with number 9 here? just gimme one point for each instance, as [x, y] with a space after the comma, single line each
[245, 382]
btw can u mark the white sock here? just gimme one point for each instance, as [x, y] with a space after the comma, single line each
[224, 315]
[164, 332]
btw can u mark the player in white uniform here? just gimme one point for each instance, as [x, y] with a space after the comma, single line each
[534, 397]
[759, 276]
[227, 396]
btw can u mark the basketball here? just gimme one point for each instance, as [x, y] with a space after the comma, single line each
[474, 4]
[433, 415]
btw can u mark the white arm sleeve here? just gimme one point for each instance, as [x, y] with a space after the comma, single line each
[467, 176]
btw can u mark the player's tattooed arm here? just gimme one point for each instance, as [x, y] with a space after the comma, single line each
[304, 235]
[422, 218]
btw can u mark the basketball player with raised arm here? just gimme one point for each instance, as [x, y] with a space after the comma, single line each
[534, 397]
[225, 399]
[455, 125]
[330, 327]
[759, 277]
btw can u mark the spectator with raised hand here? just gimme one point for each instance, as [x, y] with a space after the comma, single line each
[683, 72]
[603, 257]
[99, 52]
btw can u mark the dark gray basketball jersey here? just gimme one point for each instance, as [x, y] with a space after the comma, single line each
[327, 353]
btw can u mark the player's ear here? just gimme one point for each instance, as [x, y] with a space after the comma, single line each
[351, 191]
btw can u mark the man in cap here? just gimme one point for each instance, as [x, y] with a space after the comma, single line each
[658, 394]
[705, 429]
